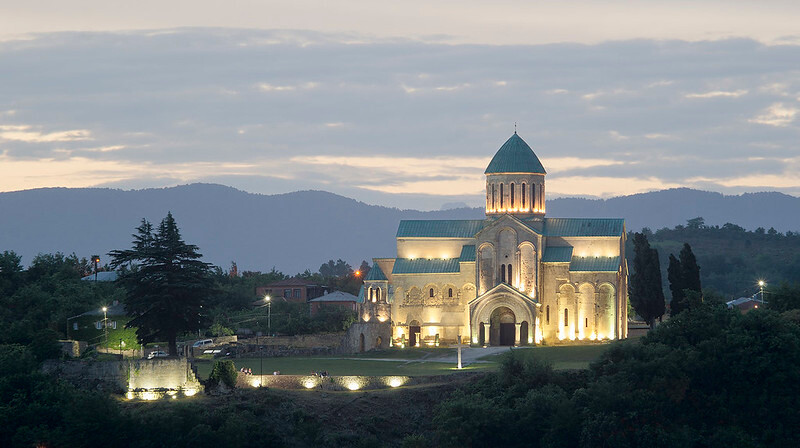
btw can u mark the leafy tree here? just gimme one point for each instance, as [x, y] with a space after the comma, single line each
[646, 295]
[10, 271]
[696, 223]
[166, 285]
[339, 268]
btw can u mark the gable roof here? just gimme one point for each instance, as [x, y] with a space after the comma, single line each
[425, 266]
[294, 281]
[594, 264]
[515, 156]
[443, 228]
[336, 296]
[467, 253]
[557, 254]
[375, 274]
[584, 226]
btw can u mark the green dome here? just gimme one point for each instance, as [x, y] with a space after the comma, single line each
[515, 156]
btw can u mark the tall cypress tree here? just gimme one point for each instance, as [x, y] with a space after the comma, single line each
[647, 297]
[676, 286]
[690, 270]
[166, 285]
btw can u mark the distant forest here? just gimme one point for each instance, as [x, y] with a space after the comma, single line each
[732, 260]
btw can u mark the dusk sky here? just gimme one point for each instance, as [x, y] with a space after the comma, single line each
[400, 103]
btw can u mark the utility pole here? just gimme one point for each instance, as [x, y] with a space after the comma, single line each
[105, 324]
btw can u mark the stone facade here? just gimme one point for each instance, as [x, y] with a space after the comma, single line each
[514, 278]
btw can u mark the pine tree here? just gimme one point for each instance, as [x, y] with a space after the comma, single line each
[676, 286]
[690, 270]
[166, 285]
[647, 297]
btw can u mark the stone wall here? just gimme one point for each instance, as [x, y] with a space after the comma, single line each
[365, 336]
[73, 349]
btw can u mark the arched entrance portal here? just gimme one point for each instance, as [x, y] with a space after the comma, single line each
[414, 330]
[503, 326]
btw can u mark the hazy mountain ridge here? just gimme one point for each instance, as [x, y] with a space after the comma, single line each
[303, 229]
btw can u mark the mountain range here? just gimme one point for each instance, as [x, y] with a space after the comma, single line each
[301, 230]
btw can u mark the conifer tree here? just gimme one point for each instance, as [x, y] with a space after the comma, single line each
[690, 270]
[675, 278]
[166, 283]
[647, 297]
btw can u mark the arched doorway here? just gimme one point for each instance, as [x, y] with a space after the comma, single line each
[414, 331]
[502, 326]
[523, 333]
[361, 343]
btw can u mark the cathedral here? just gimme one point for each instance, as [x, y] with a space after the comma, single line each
[513, 278]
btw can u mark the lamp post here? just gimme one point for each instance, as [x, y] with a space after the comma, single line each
[260, 358]
[105, 324]
[95, 261]
[761, 284]
[268, 299]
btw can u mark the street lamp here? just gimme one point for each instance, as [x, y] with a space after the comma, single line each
[761, 285]
[268, 299]
[105, 324]
[95, 261]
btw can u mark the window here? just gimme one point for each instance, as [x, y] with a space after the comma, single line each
[510, 277]
[566, 317]
[287, 293]
[547, 314]
[512, 195]
[523, 195]
[503, 273]
[450, 293]
[492, 196]
[533, 195]
[501, 195]
[114, 324]
[296, 293]
[98, 325]
[587, 323]
[430, 292]
[74, 325]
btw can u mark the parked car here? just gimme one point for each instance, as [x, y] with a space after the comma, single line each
[157, 354]
[203, 343]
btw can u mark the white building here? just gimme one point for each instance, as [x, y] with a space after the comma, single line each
[513, 278]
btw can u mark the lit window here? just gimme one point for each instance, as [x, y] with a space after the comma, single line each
[114, 324]
[98, 325]
[74, 325]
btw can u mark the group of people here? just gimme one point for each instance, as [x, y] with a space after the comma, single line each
[322, 374]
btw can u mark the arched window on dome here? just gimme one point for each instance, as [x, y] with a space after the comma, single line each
[501, 195]
[523, 194]
[512, 194]
[493, 206]
[533, 196]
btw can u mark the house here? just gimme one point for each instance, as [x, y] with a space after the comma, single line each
[103, 276]
[516, 277]
[746, 304]
[294, 289]
[91, 327]
[334, 299]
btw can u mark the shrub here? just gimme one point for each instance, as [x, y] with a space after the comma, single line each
[224, 371]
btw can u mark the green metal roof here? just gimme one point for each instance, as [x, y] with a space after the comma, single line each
[446, 228]
[557, 254]
[467, 253]
[425, 266]
[376, 274]
[583, 226]
[594, 264]
[515, 156]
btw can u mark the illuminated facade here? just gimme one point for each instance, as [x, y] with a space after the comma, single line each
[513, 278]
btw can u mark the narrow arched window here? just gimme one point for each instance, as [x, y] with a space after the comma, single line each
[503, 273]
[533, 195]
[510, 277]
[492, 196]
[547, 314]
[566, 317]
[431, 292]
[586, 325]
[378, 294]
[512, 195]
[501, 195]
[523, 195]
[450, 293]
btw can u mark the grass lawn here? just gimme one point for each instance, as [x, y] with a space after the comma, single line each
[406, 353]
[304, 366]
[560, 356]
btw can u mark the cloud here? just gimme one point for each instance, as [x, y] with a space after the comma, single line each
[718, 94]
[778, 114]
[267, 87]
[24, 133]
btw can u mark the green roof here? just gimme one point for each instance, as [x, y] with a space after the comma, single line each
[515, 156]
[557, 254]
[467, 253]
[594, 264]
[583, 226]
[376, 274]
[425, 266]
[446, 228]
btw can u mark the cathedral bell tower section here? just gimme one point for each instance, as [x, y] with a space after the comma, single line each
[515, 181]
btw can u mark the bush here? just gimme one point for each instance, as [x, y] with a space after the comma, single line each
[224, 371]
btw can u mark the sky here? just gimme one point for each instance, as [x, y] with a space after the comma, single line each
[400, 103]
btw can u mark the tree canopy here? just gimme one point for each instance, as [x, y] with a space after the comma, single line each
[647, 297]
[166, 283]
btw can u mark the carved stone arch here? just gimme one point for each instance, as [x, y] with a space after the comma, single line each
[450, 294]
[414, 296]
[398, 294]
[467, 293]
[487, 256]
[483, 311]
[436, 298]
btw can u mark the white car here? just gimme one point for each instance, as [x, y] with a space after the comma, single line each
[157, 354]
[203, 343]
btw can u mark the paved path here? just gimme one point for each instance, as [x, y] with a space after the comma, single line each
[469, 355]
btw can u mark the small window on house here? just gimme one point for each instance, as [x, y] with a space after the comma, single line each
[296, 293]
[431, 292]
[287, 293]
[512, 195]
[523, 195]
[74, 325]
[450, 293]
[98, 325]
[114, 324]
[547, 314]
[566, 317]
